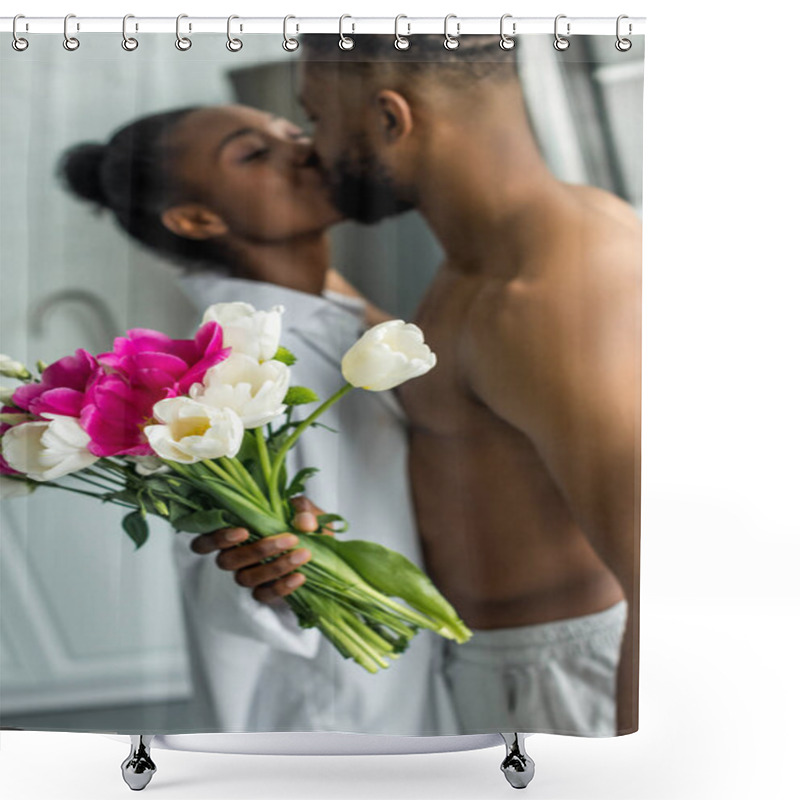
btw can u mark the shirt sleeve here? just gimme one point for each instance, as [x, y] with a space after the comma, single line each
[217, 603]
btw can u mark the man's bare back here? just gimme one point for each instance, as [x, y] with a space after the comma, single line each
[500, 537]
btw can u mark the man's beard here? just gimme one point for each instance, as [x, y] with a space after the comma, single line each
[361, 188]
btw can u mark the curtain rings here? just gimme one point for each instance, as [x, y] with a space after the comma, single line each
[450, 41]
[560, 43]
[18, 43]
[128, 42]
[623, 45]
[182, 42]
[401, 42]
[234, 45]
[506, 41]
[70, 42]
[345, 42]
[289, 44]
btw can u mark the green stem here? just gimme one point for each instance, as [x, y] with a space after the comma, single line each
[209, 464]
[289, 443]
[91, 482]
[267, 471]
[238, 468]
[90, 494]
[117, 484]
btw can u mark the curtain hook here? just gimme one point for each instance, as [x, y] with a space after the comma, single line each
[290, 45]
[506, 41]
[128, 42]
[234, 45]
[70, 42]
[451, 42]
[560, 42]
[345, 42]
[182, 42]
[623, 45]
[401, 42]
[18, 43]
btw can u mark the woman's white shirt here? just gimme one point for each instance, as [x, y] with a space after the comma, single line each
[264, 672]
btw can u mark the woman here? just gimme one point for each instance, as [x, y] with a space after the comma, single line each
[233, 196]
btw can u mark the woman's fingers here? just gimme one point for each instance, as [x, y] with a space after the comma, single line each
[218, 540]
[247, 555]
[273, 580]
[306, 517]
[274, 570]
[269, 592]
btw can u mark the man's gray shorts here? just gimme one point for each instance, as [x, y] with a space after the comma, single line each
[557, 677]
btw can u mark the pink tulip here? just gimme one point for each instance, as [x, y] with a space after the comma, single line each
[143, 368]
[62, 388]
[155, 360]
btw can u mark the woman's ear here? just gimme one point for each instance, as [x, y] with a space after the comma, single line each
[396, 119]
[193, 221]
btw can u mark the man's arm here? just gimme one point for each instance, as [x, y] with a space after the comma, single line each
[560, 361]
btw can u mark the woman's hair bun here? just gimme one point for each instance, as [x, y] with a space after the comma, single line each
[80, 168]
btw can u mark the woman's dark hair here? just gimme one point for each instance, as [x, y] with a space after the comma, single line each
[130, 176]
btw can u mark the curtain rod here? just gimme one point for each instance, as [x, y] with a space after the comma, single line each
[350, 25]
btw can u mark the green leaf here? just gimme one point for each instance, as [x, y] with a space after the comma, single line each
[298, 484]
[299, 396]
[135, 525]
[325, 519]
[285, 356]
[202, 521]
[393, 574]
[326, 427]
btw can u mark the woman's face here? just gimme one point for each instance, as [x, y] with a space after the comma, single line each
[252, 170]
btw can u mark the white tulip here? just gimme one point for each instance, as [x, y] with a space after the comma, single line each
[45, 451]
[387, 355]
[254, 391]
[148, 465]
[192, 431]
[250, 332]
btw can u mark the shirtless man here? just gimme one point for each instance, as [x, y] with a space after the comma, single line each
[525, 442]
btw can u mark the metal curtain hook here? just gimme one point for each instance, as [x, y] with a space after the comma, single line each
[290, 45]
[128, 42]
[234, 45]
[451, 42]
[182, 42]
[401, 42]
[18, 43]
[506, 42]
[70, 42]
[560, 42]
[345, 42]
[623, 45]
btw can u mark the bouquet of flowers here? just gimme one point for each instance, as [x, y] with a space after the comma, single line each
[196, 431]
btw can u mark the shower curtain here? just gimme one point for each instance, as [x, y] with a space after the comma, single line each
[470, 216]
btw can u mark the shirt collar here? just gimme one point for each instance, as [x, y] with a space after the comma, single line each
[329, 323]
[207, 288]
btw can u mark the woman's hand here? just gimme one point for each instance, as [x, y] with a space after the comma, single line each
[273, 580]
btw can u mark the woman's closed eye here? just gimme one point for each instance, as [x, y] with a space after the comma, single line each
[262, 152]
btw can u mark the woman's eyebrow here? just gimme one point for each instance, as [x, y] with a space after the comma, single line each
[236, 134]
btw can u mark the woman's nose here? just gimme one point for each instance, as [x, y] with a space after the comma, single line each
[303, 152]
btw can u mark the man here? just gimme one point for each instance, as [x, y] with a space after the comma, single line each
[525, 445]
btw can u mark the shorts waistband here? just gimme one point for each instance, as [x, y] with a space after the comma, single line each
[562, 630]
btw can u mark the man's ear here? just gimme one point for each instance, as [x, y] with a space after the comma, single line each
[193, 221]
[396, 118]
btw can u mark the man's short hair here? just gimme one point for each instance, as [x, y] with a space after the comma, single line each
[477, 58]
